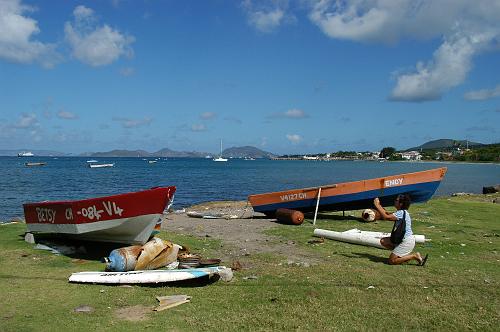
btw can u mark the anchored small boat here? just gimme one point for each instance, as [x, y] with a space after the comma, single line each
[35, 164]
[125, 218]
[352, 195]
[25, 154]
[100, 165]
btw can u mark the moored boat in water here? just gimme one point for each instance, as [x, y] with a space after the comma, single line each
[35, 164]
[125, 218]
[25, 154]
[352, 195]
[101, 165]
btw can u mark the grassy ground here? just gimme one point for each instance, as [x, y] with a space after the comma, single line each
[457, 290]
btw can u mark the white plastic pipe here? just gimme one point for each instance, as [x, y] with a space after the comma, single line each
[371, 239]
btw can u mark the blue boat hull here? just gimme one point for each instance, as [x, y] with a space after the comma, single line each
[419, 193]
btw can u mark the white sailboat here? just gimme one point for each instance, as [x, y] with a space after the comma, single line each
[220, 156]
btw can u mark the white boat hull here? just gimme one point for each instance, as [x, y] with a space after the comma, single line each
[134, 230]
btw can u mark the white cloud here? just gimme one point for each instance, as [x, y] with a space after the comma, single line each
[483, 94]
[233, 119]
[294, 138]
[449, 68]
[83, 13]
[467, 28]
[95, 45]
[263, 141]
[198, 127]
[133, 123]
[27, 121]
[67, 115]
[16, 36]
[293, 113]
[208, 115]
[127, 71]
[266, 17]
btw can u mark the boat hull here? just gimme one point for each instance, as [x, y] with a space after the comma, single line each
[127, 218]
[352, 195]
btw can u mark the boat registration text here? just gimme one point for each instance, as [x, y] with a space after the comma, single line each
[293, 197]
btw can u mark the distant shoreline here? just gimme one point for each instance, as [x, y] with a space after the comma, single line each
[273, 159]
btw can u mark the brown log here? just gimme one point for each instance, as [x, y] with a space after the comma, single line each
[287, 216]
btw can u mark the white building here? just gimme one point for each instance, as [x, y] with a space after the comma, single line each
[411, 155]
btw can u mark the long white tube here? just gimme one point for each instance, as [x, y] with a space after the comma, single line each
[371, 239]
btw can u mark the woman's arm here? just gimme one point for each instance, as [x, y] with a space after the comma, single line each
[383, 212]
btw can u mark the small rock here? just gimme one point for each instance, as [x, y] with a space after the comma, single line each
[83, 308]
[29, 237]
[226, 275]
[250, 277]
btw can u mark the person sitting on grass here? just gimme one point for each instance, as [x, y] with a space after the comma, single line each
[403, 252]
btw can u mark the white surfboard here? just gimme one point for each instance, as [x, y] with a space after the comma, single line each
[366, 238]
[151, 276]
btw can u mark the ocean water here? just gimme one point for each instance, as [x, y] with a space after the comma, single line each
[201, 180]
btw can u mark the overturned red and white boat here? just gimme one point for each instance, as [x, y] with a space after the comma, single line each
[125, 218]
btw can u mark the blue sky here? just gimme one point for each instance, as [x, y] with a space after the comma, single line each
[294, 76]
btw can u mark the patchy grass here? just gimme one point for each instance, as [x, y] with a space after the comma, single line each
[457, 290]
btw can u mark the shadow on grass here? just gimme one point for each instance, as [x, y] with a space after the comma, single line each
[77, 249]
[335, 217]
[373, 258]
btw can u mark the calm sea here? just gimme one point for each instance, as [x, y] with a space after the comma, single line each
[201, 180]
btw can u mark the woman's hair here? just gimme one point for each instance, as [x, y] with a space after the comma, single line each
[404, 201]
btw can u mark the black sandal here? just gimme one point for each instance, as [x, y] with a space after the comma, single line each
[422, 263]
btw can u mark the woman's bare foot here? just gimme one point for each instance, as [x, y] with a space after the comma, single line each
[419, 258]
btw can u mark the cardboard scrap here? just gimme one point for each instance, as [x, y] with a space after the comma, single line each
[167, 302]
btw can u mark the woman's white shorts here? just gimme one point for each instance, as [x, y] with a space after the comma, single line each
[405, 247]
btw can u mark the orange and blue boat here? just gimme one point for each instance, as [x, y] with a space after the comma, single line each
[352, 195]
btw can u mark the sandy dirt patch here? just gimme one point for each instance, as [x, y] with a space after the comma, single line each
[242, 236]
[134, 313]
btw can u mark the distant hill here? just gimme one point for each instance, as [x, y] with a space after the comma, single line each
[37, 153]
[122, 153]
[234, 152]
[179, 154]
[246, 151]
[446, 143]
[145, 154]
